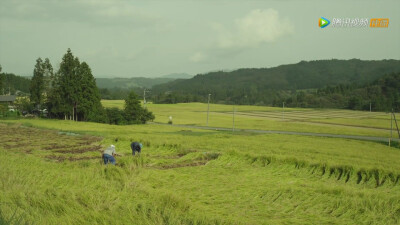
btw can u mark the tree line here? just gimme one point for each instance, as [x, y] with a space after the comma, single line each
[13, 84]
[71, 93]
[351, 84]
[294, 84]
[382, 94]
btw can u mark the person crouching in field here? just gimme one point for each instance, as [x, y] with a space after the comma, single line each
[136, 147]
[109, 155]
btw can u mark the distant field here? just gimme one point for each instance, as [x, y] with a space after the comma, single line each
[330, 121]
[52, 174]
[113, 103]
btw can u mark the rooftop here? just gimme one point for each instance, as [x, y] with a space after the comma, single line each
[7, 98]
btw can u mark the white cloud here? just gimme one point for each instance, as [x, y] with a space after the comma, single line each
[198, 57]
[257, 27]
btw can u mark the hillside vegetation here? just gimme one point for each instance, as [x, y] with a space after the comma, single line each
[12, 83]
[266, 86]
[382, 94]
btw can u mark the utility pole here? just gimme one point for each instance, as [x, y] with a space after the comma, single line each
[144, 97]
[370, 107]
[395, 121]
[283, 111]
[208, 107]
[391, 127]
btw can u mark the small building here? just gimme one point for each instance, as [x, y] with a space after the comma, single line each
[8, 99]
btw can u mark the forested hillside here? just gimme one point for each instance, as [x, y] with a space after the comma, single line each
[12, 83]
[381, 95]
[119, 88]
[267, 86]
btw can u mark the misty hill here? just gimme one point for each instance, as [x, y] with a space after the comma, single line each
[178, 76]
[128, 83]
[263, 86]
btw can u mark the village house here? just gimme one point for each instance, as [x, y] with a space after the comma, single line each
[8, 100]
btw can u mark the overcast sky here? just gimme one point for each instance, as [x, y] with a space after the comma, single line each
[155, 38]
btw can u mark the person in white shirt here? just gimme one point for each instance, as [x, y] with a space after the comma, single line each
[109, 155]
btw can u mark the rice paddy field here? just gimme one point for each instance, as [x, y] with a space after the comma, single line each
[329, 121]
[52, 172]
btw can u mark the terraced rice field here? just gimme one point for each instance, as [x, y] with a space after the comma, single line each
[52, 173]
[329, 121]
[49, 144]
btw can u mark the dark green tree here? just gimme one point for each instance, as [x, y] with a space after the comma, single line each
[69, 87]
[61, 96]
[134, 112]
[37, 86]
[48, 76]
[89, 107]
[54, 99]
[74, 94]
[115, 116]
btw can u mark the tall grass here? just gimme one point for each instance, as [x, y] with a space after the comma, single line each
[195, 177]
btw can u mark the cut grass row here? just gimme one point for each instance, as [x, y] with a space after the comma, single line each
[361, 153]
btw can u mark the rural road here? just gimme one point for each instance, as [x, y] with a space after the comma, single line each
[365, 138]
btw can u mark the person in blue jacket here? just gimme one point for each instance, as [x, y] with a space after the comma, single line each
[136, 147]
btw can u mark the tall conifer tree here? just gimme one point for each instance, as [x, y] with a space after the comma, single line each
[74, 93]
[37, 84]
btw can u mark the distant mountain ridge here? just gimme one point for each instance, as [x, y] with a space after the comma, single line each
[178, 76]
[263, 85]
[128, 83]
[138, 82]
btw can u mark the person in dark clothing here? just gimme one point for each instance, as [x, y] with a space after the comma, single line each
[136, 147]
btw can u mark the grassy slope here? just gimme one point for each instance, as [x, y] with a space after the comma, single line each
[249, 179]
[270, 118]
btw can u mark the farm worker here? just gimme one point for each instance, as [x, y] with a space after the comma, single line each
[136, 147]
[108, 155]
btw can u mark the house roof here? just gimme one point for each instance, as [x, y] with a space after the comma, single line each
[7, 98]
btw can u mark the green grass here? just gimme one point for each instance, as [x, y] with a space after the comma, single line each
[113, 103]
[189, 176]
[330, 121]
